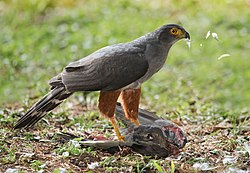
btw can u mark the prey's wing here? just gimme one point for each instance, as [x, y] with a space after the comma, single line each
[144, 117]
[110, 68]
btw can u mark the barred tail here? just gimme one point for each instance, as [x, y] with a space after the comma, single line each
[42, 107]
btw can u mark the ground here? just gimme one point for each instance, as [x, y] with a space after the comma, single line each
[204, 89]
[213, 145]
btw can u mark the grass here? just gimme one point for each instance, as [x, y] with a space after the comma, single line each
[38, 38]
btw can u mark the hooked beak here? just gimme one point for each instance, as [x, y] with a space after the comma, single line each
[187, 39]
[187, 36]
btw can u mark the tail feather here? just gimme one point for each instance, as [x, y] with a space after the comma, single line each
[42, 107]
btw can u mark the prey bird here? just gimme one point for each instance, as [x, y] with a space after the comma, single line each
[115, 70]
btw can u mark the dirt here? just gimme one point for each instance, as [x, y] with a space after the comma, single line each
[213, 146]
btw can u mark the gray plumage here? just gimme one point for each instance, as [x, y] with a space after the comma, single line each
[120, 66]
[42, 107]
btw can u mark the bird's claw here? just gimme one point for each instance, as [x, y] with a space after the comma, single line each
[120, 138]
[136, 122]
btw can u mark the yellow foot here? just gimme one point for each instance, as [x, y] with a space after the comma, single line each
[135, 121]
[117, 132]
[120, 138]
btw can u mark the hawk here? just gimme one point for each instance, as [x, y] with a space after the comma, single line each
[115, 70]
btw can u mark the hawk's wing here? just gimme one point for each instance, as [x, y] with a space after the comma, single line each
[110, 68]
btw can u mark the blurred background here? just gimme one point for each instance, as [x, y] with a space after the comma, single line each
[38, 38]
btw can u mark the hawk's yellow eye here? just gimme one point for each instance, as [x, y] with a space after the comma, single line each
[175, 31]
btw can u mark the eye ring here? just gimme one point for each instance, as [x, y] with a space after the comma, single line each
[174, 31]
[150, 137]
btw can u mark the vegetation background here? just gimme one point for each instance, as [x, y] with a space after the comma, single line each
[39, 37]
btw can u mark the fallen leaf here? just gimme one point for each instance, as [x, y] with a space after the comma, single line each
[236, 170]
[65, 154]
[229, 160]
[203, 166]
[12, 170]
[93, 165]
[247, 148]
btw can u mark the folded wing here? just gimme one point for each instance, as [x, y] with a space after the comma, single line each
[110, 68]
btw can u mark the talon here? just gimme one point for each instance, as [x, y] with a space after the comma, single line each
[136, 122]
[120, 138]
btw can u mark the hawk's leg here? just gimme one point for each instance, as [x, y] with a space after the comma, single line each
[130, 100]
[107, 105]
